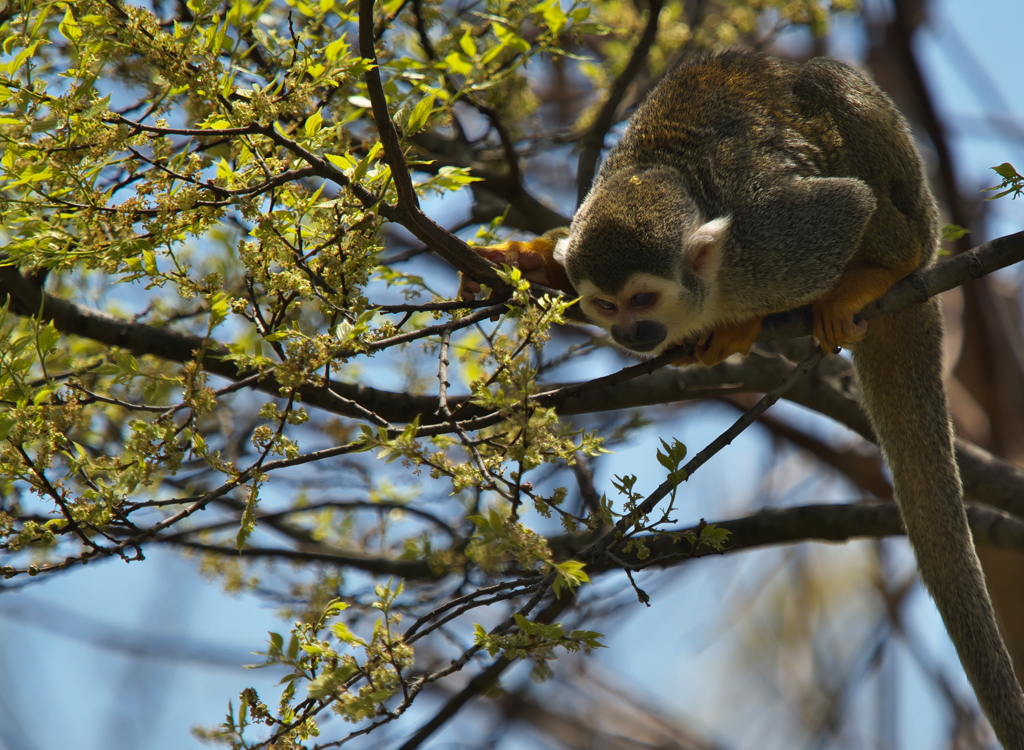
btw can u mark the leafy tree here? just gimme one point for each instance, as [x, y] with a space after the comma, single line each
[231, 232]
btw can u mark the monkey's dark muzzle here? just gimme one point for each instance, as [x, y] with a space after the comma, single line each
[642, 336]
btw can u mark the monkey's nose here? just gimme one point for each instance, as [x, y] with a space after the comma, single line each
[642, 336]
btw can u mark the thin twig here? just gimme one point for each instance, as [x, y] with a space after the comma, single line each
[617, 533]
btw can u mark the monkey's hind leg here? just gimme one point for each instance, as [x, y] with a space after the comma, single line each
[861, 284]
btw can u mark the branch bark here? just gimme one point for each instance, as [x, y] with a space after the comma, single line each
[410, 215]
[771, 527]
[28, 298]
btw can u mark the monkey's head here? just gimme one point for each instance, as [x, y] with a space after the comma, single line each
[644, 260]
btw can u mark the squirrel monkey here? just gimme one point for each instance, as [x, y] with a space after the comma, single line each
[746, 185]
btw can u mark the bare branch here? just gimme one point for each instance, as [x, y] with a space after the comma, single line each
[593, 141]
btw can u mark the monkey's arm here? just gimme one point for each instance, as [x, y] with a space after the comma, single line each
[791, 246]
[535, 258]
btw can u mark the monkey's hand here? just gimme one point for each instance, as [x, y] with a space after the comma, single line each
[728, 339]
[535, 258]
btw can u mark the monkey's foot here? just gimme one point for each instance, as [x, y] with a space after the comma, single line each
[834, 324]
[728, 339]
[533, 258]
[861, 283]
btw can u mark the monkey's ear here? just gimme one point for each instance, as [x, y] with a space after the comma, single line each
[702, 248]
[561, 248]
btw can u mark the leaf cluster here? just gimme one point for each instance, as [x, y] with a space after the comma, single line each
[223, 330]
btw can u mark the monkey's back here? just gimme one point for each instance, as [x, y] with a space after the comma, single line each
[738, 123]
[729, 123]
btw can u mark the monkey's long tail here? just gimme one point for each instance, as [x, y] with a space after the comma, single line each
[899, 368]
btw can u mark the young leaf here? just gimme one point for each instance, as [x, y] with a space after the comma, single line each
[420, 114]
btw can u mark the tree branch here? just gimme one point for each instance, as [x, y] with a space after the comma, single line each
[447, 245]
[775, 526]
[593, 141]
[575, 398]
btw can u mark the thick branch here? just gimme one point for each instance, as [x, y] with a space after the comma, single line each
[836, 523]
[823, 523]
[596, 395]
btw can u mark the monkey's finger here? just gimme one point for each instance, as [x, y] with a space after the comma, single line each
[709, 352]
[493, 254]
[468, 288]
[530, 261]
[534, 269]
[857, 332]
[833, 332]
[689, 359]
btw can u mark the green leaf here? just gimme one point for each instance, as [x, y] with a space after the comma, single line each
[714, 536]
[467, 44]
[217, 40]
[218, 308]
[341, 631]
[98, 107]
[126, 363]
[510, 39]
[313, 123]
[554, 17]
[364, 163]
[42, 395]
[420, 114]
[336, 49]
[248, 524]
[952, 232]
[570, 575]
[32, 173]
[341, 161]
[458, 64]
[1006, 171]
[47, 337]
[69, 28]
[20, 59]
[7, 424]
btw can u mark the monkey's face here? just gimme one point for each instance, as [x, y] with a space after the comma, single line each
[647, 315]
[670, 301]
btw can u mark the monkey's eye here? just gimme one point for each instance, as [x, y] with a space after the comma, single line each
[605, 305]
[644, 299]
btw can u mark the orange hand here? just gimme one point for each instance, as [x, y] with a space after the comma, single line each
[729, 339]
